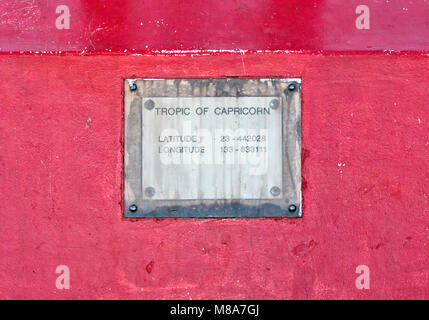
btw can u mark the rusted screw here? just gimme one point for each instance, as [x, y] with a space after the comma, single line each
[274, 104]
[133, 86]
[149, 192]
[149, 104]
[133, 208]
[275, 191]
[292, 208]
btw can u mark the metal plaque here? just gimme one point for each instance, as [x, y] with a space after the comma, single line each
[212, 148]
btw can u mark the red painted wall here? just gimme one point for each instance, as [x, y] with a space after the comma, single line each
[365, 130]
[136, 25]
[366, 147]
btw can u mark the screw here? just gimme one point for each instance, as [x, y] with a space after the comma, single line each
[292, 208]
[274, 104]
[275, 191]
[291, 86]
[133, 86]
[133, 208]
[149, 192]
[149, 104]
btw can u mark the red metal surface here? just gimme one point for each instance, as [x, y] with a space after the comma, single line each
[119, 25]
[365, 170]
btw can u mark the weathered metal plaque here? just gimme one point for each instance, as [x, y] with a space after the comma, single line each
[212, 148]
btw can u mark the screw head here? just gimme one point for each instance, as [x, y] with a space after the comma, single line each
[149, 192]
[292, 208]
[133, 208]
[133, 86]
[291, 86]
[274, 104]
[149, 104]
[275, 191]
